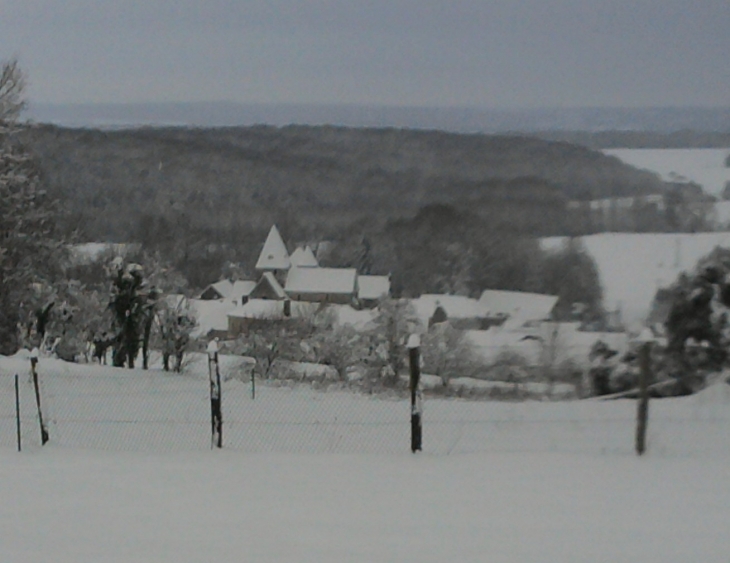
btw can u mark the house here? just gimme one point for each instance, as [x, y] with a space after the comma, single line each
[517, 307]
[289, 282]
[548, 344]
[212, 317]
[218, 290]
[268, 287]
[371, 290]
[259, 313]
[238, 291]
[322, 285]
[461, 311]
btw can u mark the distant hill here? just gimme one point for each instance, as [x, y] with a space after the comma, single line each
[462, 120]
[114, 180]
[204, 197]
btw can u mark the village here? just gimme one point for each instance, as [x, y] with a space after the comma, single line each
[480, 346]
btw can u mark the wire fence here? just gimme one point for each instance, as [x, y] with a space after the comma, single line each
[155, 411]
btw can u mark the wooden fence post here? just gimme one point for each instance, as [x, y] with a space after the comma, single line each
[414, 343]
[17, 409]
[216, 410]
[34, 373]
[642, 409]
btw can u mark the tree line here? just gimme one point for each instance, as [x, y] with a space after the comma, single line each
[205, 198]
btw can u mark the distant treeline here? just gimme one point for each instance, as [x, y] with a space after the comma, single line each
[206, 197]
[683, 139]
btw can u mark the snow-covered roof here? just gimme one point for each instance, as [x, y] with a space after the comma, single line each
[554, 342]
[490, 344]
[373, 287]
[269, 309]
[345, 315]
[519, 306]
[303, 257]
[321, 280]
[211, 315]
[455, 306]
[268, 279]
[221, 287]
[274, 255]
[242, 288]
[231, 290]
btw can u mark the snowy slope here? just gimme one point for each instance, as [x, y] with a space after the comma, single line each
[99, 407]
[90, 507]
[632, 266]
[535, 481]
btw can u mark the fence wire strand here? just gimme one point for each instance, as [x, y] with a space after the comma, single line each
[156, 411]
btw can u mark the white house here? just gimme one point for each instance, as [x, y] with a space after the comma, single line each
[323, 285]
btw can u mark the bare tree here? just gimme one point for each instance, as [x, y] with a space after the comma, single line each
[448, 353]
[395, 321]
[175, 324]
[12, 85]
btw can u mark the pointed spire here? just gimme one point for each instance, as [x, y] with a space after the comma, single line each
[303, 257]
[274, 255]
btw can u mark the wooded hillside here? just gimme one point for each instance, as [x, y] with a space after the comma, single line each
[207, 196]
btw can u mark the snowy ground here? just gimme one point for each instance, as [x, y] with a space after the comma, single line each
[703, 166]
[74, 507]
[633, 266]
[535, 481]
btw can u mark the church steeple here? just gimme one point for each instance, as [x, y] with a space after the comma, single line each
[274, 256]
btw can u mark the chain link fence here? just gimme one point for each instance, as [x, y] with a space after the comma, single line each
[117, 409]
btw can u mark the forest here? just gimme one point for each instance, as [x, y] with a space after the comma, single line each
[205, 198]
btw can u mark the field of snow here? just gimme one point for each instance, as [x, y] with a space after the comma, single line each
[703, 166]
[104, 408]
[633, 266]
[326, 476]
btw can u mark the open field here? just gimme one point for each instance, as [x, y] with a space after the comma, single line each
[703, 166]
[326, 476]
[73, 506]
[632, 266]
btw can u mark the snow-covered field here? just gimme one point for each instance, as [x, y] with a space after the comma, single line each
[633, 266]
[78, 507]
[326, 476]
[703, 166]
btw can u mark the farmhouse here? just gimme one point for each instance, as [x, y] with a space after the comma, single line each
[462, 312]
[268, 287]
[237, 291]
[372, 289]
[518, 308]
[323, 285]
[263, 312]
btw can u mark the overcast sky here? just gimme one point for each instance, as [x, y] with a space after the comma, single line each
[466, 53]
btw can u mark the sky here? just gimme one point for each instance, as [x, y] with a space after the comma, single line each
[492, 54]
